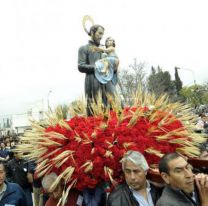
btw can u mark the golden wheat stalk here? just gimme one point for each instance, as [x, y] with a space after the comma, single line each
[65, 194]
[60, 177]
[63, 155]
[42, 172]
[154, 151]
[88, 166]
[108, 154]
[68, 174]
[136, 115]
[46, 155]
[109, 172]
[189, 151]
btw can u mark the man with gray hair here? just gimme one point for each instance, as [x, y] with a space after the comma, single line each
[89, 197]
[136, 191]
[74, 197]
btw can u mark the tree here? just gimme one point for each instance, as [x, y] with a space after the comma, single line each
[178, 82]
[196, 94]
[159, 82]
[205, 93]
[130, 79]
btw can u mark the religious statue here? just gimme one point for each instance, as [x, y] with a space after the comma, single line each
[88, 57]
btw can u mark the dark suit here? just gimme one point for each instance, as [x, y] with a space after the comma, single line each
[122, 196]
[175, 197]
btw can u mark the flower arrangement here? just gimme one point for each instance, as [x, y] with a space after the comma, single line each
[86, 151]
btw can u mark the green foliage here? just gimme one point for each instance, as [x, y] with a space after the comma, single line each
[178, 82]
[195, 94]
[159, 82]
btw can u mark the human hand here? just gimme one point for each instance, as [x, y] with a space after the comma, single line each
[204, 155]
[202, 185]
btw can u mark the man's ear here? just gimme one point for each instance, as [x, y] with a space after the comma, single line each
[165, 177]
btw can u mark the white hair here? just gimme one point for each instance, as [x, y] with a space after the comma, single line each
[135, 157]
[48, 180]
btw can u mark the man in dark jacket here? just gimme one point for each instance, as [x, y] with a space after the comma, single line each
[86, 64]
[4, 153]
[10, 193]
[18, 172]
[137, 191]
[180, 189]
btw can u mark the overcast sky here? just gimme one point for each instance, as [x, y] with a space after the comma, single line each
[39, 40]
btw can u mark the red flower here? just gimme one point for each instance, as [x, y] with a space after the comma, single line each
[96, 145]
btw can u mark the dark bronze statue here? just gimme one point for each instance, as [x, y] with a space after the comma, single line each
[87, 58]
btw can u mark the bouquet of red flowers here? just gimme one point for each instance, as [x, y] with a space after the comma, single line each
[86, 151]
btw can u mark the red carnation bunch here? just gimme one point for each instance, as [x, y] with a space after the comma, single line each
[86, 151]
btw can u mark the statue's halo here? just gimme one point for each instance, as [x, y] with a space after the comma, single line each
[85, 19]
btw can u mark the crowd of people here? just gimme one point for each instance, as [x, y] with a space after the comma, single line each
[181, 186]
[202, 123]
[17, 174]
[202, 128]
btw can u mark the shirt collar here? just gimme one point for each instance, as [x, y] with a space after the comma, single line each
[3, 188]
[148, 188]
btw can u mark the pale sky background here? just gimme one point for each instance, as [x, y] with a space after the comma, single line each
[39, 41]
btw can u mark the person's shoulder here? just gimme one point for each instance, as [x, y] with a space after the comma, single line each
[11, 162]
[156, 187]
[118, 191]
[163, 202]
[51, 202]
[168, 197]
[15, 193]
[13, 186]
[120, 196]
[166, 201]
